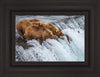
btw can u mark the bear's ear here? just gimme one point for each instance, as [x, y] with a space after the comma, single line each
[40, 24]
[56, 29]
[50, 24]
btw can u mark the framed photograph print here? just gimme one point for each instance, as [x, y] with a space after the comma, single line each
[49, 38]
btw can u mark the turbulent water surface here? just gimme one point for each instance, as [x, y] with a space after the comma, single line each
[54, 49]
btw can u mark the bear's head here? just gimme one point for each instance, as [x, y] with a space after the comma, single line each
[22, 25]
[55, 30]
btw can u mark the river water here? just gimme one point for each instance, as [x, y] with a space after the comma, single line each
[58, 50]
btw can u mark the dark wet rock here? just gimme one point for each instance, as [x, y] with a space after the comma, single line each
[22, 42]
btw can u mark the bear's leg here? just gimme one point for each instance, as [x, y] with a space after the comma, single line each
[24, 37]
[20, 32]
[41, 40]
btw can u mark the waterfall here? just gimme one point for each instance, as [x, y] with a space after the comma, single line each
[55, 49]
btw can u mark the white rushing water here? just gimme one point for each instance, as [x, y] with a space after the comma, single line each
[56, 49]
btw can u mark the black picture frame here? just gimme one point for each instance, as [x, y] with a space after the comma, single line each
[89, 68]
[12, 16]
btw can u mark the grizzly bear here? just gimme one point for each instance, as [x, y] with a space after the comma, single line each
[34, 32]
[55, 30]
[36, 29]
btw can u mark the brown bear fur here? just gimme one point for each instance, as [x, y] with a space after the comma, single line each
[33, 32]
[55, 30]
[36, 29]
[22, 25]
[34, 20]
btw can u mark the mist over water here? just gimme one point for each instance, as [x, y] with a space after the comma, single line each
[55, 49]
